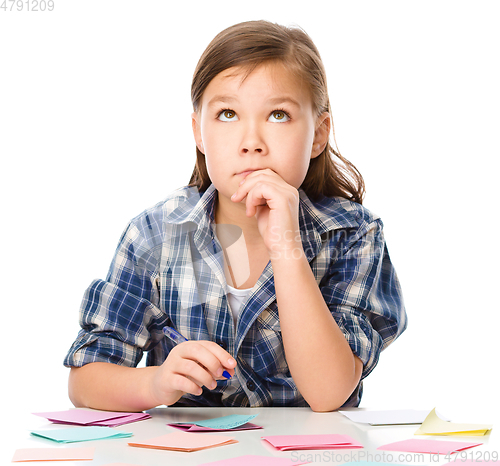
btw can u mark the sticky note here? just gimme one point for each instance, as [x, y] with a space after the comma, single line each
[120, 464]
[54, 454]
[372, 463]
[80, 434]
[386, 418]
[226, 422]
[428, 446]
[312, 442]
[219, 424]
[434, 425]
[253, 460]
[93, 417]
[477, 462]
[183, 441]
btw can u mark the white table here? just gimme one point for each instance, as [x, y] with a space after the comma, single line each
[275, 421]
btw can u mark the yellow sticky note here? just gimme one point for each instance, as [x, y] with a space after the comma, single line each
[434, 425]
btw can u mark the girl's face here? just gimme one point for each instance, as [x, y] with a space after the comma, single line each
[265, 120]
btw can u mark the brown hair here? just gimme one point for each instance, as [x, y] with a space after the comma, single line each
[251, 44]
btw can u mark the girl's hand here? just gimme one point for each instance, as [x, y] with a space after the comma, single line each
[275, 204]
[188, 367]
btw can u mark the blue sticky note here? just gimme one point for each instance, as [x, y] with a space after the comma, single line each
[80, 434]
[226, 422]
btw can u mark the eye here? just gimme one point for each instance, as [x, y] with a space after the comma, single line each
[227, 115]
[279, 116]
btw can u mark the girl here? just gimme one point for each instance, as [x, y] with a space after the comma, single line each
[267, 262]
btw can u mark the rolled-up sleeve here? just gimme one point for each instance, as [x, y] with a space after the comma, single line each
[363, 293]
[120, 317]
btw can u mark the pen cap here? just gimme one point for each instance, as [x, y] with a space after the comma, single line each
[176, 337]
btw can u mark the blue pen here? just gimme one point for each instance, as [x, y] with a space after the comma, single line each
[177, 338]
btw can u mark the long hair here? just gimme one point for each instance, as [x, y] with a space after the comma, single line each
[252, 43]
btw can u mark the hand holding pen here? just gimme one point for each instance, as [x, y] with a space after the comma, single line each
[177, 338]
[190, 366]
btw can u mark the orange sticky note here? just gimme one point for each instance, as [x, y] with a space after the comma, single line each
[54, 454]
[183, 441]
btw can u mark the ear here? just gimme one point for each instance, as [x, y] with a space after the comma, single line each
[321, 134]
[197, 131]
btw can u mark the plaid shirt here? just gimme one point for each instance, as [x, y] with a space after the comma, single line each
[168, 269]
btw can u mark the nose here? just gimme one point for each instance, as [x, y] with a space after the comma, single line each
[252, 141]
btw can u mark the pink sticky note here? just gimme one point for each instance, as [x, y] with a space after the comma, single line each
[252, 460]
[478, 462]
[188, 427]
[183, 441]
[121, 420]
[54, 454]
[120, 464]
[428, 446]
[312, 442]
[92, 417]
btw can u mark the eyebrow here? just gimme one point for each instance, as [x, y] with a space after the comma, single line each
[222, 98]
[283, 100]
[274, 101]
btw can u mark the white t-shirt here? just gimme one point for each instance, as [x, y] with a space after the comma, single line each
[236, 298]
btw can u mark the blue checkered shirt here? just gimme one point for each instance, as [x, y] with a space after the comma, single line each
[168, 269]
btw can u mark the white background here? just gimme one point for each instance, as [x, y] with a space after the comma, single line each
[95, 127]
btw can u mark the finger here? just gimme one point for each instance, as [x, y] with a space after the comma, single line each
[261, 194]
[209, 355]
[184, 384]
[249, 182]
[195, 373]
[226, 361]
[260, 173]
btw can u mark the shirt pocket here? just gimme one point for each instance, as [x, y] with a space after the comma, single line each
[269, 355]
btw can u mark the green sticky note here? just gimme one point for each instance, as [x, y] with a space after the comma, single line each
[226, 422]
[80, 434]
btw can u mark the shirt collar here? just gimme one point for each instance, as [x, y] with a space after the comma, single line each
[315, 217]
[320, 217]
[194, 207]
[196, 212]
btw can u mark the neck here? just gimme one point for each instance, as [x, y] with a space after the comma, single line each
[229, 213]
[245, 254]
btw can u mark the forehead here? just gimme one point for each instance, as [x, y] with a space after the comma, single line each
[268, 79]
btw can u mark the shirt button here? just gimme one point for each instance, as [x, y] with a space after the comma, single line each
[251, 386]
[223, 345]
